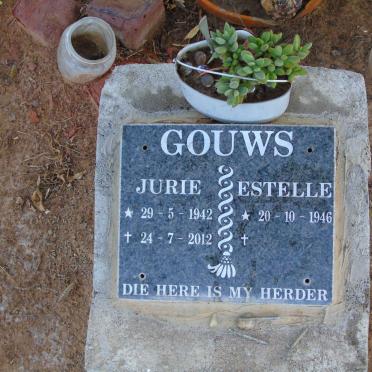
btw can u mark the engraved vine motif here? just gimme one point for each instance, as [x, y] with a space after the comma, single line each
[225, 268]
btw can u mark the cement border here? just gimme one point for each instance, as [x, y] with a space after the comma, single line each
[149, 93]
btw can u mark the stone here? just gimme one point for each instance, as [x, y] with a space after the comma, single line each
[185, 70]
[45, 20]
[207, 80]
[200, 58]
[217, 224]
[137, 335]
[33, 117]
[96, 86]
[134, 21]
[336, 53]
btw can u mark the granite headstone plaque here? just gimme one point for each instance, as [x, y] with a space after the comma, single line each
[228, 213]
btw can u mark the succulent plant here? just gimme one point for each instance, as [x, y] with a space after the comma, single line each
[261, 58]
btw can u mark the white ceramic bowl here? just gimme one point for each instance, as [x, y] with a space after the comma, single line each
[214, 108]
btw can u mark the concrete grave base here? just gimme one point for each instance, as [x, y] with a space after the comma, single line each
[133, 336]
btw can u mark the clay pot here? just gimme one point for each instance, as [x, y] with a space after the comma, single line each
[244, 20]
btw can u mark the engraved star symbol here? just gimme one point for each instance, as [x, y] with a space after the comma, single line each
[245, 216]
[128, 213]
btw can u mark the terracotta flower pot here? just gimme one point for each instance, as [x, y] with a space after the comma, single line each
[240, 19]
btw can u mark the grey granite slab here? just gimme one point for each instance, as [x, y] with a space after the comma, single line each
[223, 212]
[134, 335]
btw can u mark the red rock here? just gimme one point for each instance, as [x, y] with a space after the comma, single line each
[171, 51]
[95, 88]
[45, 20]
[134, 21]
[33, 117]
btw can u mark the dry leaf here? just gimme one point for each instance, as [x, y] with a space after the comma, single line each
[171, 4]
[61, 177]
[37, 200]
[180, 3]
[192, 33]
[13, 72]
[47, 194]
[76, 176]
[204, 28]
[66, 292]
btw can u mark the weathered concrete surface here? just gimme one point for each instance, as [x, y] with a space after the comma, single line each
[128, 336]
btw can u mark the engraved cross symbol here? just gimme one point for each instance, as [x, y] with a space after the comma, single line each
[127, 235]
[244, 238]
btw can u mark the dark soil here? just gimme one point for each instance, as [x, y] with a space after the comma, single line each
[89, 46]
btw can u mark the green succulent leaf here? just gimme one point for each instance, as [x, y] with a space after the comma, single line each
[244, 71]
[222, 87]
[234, 83]
[241, 72]
[234, 47]
[251, 39]
[277, 37]
[266, 36]
[278, 62]
[288, 64]
[288, 49]
[221, 50]
[219, 40]
[278, 51]
[243, 91]
[246, 56]
[253, 46]
[294, 59]
[259, 75]
[248, 70]
[232, 101]
[233, 38]
[263, 62]
[303, 54]
[298, 71]
[296, 42]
